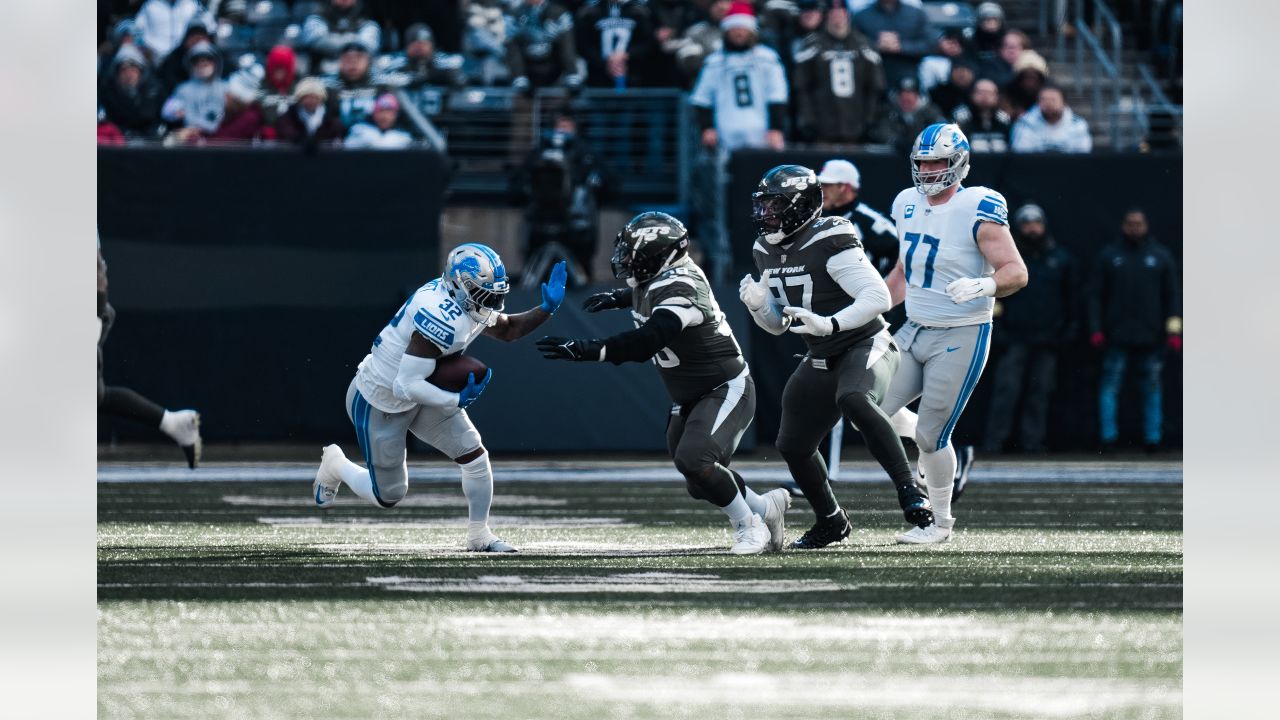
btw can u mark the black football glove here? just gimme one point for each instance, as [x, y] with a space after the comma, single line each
[562, 348]
[607, 300]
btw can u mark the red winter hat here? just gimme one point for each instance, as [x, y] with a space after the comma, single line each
[740, 15]
[281, 57]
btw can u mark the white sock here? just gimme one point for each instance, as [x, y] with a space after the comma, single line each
[738, 510]
[477, 530]
[357, 478]
[757, 503]
[477, 485]
[904, 422]
[939, 470]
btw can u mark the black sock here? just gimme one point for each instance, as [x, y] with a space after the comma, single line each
[125, 403]
[881, 437]
[810, 473]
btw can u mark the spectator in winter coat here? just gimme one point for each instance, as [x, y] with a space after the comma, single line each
[1030, 73]
[955, 91]
[838, 83]
[1033, 325]
[670, 19]
[615, 37]
[129, 96]
[173, 69]
[740, 99]
[935, 69]
[540, 45]
[124, 33]
[484, 44]
[1000, 67]
[354, 86]
[242, 119]
[982, 120]
[310, 120]
[901, 33]
[989, 32]
[1050, 126]
[381, 133]
[909, 114]
[700, 40]
[282, 71]
[421, 63]
[1135, 314]
[326, 34]
[163, 23]
[199, 102]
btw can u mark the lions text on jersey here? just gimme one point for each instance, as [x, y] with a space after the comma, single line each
[938, 244]
[739, 87]
[432, 312]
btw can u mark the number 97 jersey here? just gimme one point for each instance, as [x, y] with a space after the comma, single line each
[939, 244]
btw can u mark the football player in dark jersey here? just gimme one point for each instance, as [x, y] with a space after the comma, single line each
[680, 327]
[816, 281]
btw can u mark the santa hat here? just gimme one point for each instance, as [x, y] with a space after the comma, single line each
[740, 15]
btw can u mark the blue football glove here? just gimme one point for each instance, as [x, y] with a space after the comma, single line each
[553, 288]
[473, 389]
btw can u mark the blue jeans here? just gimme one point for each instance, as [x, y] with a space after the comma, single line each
[1150, 367]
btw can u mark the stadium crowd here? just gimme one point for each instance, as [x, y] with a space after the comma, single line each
[850, 72]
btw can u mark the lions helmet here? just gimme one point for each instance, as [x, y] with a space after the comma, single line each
[477, 280]
[940, 141]
[648, 244]
[787, 199]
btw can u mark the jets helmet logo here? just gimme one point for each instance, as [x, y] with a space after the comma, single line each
[647, 234]
[800, 183]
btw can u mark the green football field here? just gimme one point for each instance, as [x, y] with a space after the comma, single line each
[1060, 596]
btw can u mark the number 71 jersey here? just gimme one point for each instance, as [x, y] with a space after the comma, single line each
[939, 244]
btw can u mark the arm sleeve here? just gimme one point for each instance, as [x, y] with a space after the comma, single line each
[645, 341]
[860, 281]
[411, 383]
[770, 317]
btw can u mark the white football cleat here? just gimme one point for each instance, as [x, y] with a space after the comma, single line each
[927, 535]
[775, 516]
[750, 538]
[184, 427]
[487, 542]
[328, 479]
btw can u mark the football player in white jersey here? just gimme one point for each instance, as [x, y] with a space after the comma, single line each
[390, 395]
[956, 256]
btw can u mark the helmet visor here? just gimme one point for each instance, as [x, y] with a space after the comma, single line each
[767, 210]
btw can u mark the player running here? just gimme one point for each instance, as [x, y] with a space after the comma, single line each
[817, 282]
[680, 327]
[390, 395]
[956, 256]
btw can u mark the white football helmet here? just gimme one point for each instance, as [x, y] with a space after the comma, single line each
[477, 280]
[940, 141]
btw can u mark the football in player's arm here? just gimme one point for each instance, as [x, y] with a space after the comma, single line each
[680, 327]
[391, 395]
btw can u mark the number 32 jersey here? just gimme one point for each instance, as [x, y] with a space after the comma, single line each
[939, 244]
[431, 312]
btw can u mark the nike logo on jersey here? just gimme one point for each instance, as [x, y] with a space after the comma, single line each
[953, 349]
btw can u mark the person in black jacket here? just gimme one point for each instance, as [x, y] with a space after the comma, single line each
[616, 38]
[540, 45]
[982, 120]
[129, 95]
[1034, 324]
[1135, 313]
[837, 83]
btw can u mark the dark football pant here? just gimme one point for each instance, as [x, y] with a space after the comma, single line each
[702, 437]
[851, 386]
[121, 401]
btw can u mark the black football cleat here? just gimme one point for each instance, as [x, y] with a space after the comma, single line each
[916, 508]
[824, 532]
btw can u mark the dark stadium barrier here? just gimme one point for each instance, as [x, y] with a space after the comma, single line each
[249, 284]
[1083, 196]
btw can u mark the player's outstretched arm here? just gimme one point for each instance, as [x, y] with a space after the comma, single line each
[513, 327]
[637, 345]
[764, 311]
[614, 300]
